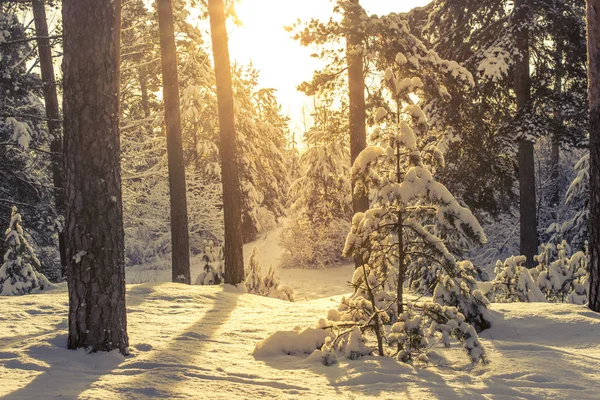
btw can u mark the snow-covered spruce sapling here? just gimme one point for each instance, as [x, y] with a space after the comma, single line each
[254, 279]
[265, 285]
[320, 212]
[19, 273]
[214, 262]
[580, 286]
[564, 279]
[513, 282]
[407, 227]
[461, 291]
[578, 195]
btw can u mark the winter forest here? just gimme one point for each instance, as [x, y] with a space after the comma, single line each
[223, 199]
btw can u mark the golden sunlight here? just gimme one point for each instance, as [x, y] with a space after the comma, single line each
[283, 63]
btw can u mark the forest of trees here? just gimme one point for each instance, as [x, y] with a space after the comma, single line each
[441, 140]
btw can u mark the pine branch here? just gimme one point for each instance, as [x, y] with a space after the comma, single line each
[30, 39]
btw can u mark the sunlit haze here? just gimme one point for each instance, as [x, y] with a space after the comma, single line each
[283, 63]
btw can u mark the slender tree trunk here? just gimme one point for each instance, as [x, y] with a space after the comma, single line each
[555, 152]
[356, 86]
[554, 173]
[94, 215]
[142, 76]
[234, 258]
[527, 202]
[53, 118]
[180, 240]
[401, 259]
[593, 32]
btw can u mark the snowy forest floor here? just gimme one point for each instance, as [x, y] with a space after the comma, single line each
[307, 283]
[196, 342]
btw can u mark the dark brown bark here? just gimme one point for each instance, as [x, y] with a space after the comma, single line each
[554, 176]
[144, 89]
[593, 32]
[53, 117]
[356, 87]
[527, 202]
[234, 258]
[94, 216]
[555, 152]
[180, 240]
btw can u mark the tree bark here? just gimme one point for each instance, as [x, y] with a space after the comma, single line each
[53, 118]
[356, 87]
[593, 32]
[142, 76]
[527, 195]
[556, 139]
[234, 258]
[94, 215]
[180, 241]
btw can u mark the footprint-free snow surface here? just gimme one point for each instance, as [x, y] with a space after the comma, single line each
[197, 342]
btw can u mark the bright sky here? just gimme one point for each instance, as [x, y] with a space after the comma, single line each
[283, 63]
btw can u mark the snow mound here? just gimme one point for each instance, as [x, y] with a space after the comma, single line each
[291, 342]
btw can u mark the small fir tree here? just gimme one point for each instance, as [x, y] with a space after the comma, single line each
[514, 282]
[321, 208]
[265, 285]
[564, 279]
[412, 221]
[20, 272]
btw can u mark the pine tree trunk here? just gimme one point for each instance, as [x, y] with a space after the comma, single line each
[142, 76]
[53, 118]
[555, 152]
[180, 241]
[527, 202]
[234, 258]
[94, 215]
[593, 25]
[356, 86]
[554, 175]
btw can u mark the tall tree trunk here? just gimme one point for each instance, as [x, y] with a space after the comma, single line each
[593, 32]
[180, 240]
[53, 118]
[556, 139]
[356, 86]
[94, 215]
[143, 77]
[234, 258]
[527, 202]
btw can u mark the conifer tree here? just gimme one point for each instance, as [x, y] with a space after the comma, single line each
[593, 44]
[321, 205]
[411, 222]
[94, 213]
[356, 88]
[234, 260]
[20, 272]
[52, 117]
[180, 242]
[25, 160]
[527, 195]
[494, 39]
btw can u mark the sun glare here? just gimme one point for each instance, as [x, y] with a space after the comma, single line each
[283, 63]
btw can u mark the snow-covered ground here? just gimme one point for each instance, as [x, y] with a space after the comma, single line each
[196, 342]
[307, 283]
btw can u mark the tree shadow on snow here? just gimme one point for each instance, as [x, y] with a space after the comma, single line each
[378, 376]
[65, 373]
[156, 372]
